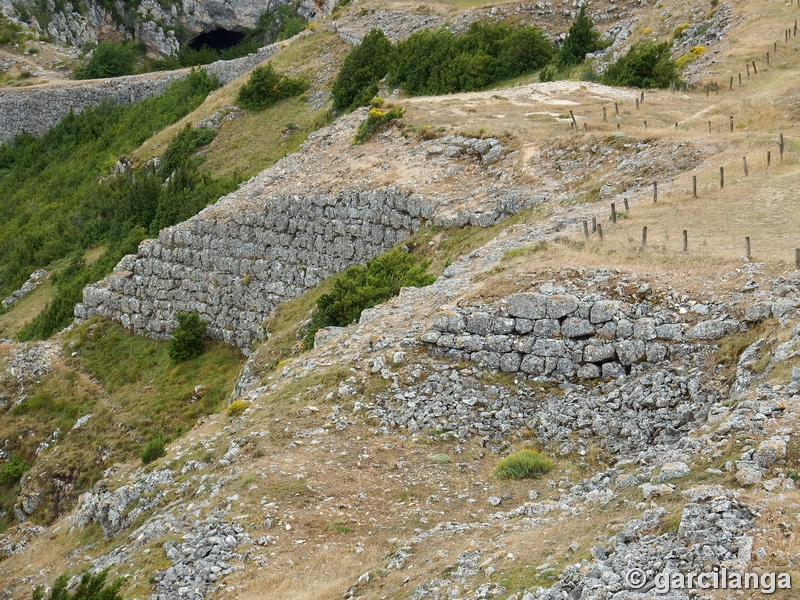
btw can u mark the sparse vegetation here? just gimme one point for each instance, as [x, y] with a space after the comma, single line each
[524, 464]
[90, 587]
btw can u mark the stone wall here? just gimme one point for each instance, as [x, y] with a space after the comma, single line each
[568, 337]
[37, 109]
[236, 260]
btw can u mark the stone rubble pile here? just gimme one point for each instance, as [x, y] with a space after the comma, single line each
[712, 531]
[35, 280]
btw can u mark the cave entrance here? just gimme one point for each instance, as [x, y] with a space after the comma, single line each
[217, 39]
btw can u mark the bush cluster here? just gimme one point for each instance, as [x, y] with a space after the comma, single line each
[524, 464]
[645, 65]
[439, 62]
[362, 287]
[266, 86]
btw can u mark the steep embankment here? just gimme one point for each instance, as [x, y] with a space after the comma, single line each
[658, 371]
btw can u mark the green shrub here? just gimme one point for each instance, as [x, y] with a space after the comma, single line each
[110, 59]
[155, 449]
[438, 62]
[359, 288]
[376, 118]
[366, 64]
[91, 587]
[237, 407]
[183, 145]
[643, 66]
[583, 37]
[524, 464]
[266, 86]
[187, 339]
[13, 470]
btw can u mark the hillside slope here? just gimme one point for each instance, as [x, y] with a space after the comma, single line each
[647, 356]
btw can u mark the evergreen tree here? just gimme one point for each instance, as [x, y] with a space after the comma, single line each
[357, 81]
[583, 37]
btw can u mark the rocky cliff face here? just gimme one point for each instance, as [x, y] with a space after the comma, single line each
[153, 23]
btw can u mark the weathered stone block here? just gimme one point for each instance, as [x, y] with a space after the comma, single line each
[510, 362]
[644, 329]
[527, 306]
[503, 325]
[479, 323]
[549, 347]
[532, 364]
[546, 328]
[574, 327]
[596, 353]
[604, 310]
[630, 351]
[562, 306]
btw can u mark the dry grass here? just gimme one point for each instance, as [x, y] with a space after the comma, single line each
[253, 141]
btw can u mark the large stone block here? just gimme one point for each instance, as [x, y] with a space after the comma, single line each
[527, 306]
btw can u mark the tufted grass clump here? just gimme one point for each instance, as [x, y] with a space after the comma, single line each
[524, 464]
[237, 407]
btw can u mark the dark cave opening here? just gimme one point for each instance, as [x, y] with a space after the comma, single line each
[217, 39]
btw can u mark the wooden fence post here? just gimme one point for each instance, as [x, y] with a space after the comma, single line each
[797, 258]
[644, 236]
[600, 231]
[685, 240]
[694, 186]
[613, 212]
[574, 122]
[586, 229]
[655, 191]
[780, 146]
[744, 164]
[616, 108]
[769, 157]
[747, 247]
[721, 177]
[625, 200]
[604, 114]
[594, 224]
[731, 123]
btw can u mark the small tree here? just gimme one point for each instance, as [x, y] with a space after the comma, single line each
[266, 86]
[187, 339]
[583, 37]
[362, 69]
[110, 59]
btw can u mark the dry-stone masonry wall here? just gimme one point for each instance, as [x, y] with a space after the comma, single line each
[36, 110]
[233, 264]
[566, 336]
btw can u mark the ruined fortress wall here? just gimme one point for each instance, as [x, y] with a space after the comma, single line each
[239, 258]
[37, 109]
